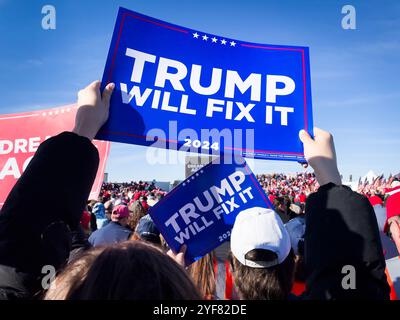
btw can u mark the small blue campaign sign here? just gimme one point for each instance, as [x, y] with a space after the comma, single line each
[188, 90]
[200, 211]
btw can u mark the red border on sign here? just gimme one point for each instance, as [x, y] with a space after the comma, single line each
[242, 44]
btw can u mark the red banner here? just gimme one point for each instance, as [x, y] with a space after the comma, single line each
[21, 135]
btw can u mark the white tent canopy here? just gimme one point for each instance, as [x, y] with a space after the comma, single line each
[370, 176]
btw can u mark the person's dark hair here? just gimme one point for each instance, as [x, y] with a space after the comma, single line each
[278, 201]
[133, 270]
[91, 204]
[272, 283]
[287, 202]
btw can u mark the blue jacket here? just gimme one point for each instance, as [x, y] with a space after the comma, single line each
[110, 234]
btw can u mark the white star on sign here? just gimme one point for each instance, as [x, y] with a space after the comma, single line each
[195, 35]
[233, 43]
[205, 38]
[223, 41]
[214, 40]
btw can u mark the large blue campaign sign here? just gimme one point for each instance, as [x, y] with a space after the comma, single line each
[200, 211]
[188, 90]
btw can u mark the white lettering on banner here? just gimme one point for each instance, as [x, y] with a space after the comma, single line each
[174, 72]
[215, 81]
[11, 167]
[284, 111]
[140, 99]
[5, 146]
[189, 215]
[19, 145]
[138, 66]
[174, 78]
[273, 91]
[34, 144]
[253, 81]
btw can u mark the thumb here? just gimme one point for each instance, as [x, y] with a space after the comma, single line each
[94, 85]
[107, 92]
[305, 137]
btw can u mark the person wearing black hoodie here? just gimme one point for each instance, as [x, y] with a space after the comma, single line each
[33, 235]
[342, 248]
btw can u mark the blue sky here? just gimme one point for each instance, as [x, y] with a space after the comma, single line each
[355, 73]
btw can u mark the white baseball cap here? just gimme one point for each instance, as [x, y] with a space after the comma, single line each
[259, 228]
[296, 229]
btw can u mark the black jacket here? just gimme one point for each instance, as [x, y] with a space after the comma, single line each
[341, 229]
[43, 207]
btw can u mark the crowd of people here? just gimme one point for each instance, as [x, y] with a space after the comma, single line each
[110, 249]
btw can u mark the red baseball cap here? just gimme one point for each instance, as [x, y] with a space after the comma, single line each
[120, 211]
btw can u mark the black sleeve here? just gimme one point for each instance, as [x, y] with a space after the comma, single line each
[46, 202]
[79, 243]
[341, 229]
[93, 222]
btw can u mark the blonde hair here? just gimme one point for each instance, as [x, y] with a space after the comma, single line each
[203, 276]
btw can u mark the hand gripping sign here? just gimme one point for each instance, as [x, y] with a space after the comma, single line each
[200, 212]
[188, 90]
[21, 135]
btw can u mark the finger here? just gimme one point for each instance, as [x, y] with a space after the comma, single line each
[108, 90]
[320, 133]
[94, 85]
[305, 137]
